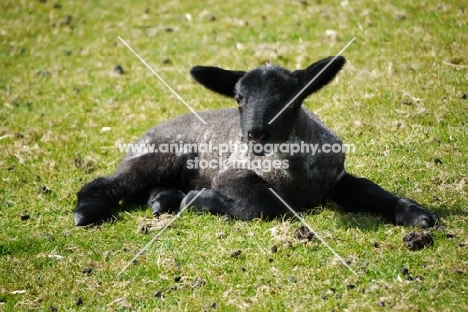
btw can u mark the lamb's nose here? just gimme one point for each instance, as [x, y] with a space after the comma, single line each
[257, 135]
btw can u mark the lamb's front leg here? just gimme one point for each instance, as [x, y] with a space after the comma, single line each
[241, 194]
[362, 195]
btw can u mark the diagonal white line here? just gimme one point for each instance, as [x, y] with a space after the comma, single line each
[310, 82]
[162, 80]
[315, 233]
[142, 250]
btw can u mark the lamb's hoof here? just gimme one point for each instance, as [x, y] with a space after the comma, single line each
[92, 211]
[410, 213]
[156, 208]
[164, 200]
[188, 200]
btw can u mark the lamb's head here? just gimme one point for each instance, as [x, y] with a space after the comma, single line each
[269, 97]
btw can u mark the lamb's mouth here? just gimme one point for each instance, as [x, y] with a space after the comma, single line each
[258, 154]
[257, 149]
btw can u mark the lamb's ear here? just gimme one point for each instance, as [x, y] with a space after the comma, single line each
[217, 79]
[321, 72]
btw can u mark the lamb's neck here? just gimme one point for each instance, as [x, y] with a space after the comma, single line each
[304, 130]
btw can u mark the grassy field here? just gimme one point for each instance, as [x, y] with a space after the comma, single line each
[401, 99]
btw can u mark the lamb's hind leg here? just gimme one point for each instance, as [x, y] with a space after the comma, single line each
[96, 200]
[241, 194]
[362, 195]
[133, 182]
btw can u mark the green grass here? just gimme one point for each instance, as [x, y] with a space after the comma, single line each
[399, 100]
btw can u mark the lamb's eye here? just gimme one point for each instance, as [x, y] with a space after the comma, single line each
[239, 102]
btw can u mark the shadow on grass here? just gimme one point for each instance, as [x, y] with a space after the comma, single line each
[364, 221]
[355, 220]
